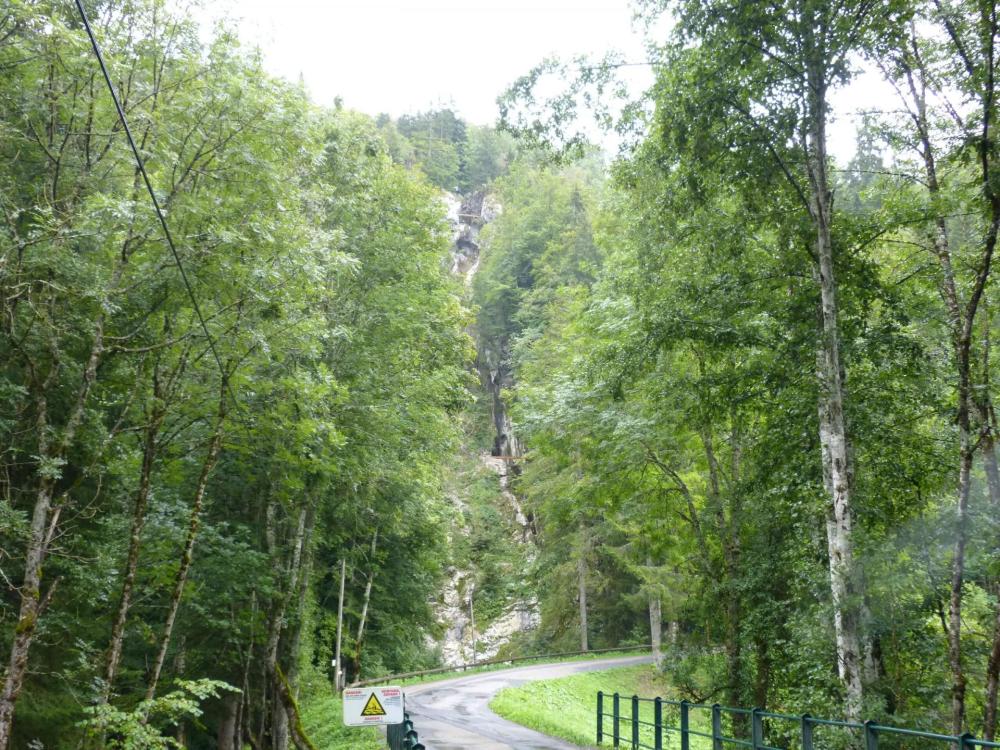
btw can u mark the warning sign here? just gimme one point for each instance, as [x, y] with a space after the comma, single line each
[373, 707]
[365, 707]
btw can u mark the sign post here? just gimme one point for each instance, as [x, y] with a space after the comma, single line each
[368, 707]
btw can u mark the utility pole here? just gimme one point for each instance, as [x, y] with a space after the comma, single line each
[472, 620]
[338, 672]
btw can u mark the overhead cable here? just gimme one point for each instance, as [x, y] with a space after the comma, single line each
[152, 195]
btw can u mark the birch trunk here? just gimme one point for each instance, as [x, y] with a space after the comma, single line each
[833, 427]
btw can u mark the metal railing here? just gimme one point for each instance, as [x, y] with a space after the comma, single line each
[635, 723]
[403, 736]
[492, 662]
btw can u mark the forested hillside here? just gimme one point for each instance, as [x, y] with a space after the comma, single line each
[178, 497]
[755, 381]
[727, 392]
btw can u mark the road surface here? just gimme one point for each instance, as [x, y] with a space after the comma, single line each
[455, 714]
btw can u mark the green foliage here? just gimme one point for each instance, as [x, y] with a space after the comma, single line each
[318, 254]
[564, 707]
[649, 334]
[666, 390]
[141, 728]
[323, 718]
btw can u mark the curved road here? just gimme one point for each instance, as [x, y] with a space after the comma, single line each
[455, 714]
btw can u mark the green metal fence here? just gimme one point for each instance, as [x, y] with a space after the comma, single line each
[403, 736]
[658, 724]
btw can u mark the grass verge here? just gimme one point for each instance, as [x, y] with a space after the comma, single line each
[323, 719]
[494, 667]
[566, 707]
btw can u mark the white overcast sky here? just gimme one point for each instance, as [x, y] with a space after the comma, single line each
[404, 56]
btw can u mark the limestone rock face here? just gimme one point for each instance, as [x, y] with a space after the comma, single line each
[467, 215]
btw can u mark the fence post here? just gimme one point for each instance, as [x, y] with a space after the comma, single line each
[807, 732]
[685, 737]
[965, 741]
[871, 735]
[635, 722]
[658, 723]
[756, 728]
[716, 726]
[617, 715]
[600, 716]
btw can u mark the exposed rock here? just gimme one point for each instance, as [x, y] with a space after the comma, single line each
[467, 217]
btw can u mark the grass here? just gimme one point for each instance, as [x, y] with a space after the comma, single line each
[322, 714]
[494, 667]
[323, 719]
[566, 707]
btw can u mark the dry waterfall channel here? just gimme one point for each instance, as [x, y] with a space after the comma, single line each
[489, 467]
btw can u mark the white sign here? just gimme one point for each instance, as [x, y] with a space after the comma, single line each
[365, 707]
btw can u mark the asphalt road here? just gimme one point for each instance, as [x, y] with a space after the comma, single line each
[455, 714]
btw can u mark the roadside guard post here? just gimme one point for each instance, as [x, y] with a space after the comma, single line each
[372, 707]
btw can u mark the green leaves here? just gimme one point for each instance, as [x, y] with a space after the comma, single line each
[143, 727]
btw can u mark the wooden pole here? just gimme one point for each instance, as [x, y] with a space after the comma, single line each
[472, 621]
[338, 674]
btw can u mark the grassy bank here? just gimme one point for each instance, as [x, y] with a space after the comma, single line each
[323, 719]
[452, 674]
[322, 714]
[566, 707]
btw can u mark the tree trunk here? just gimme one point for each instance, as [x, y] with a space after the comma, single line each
[194, 524]
[992, 468]
[226, 736]
[472, 621]
[656, 630]
[244, 713]
[303, 596]
[762, 680]
[916, 82]
[161, 393]
[40, 532]
[27, 618]
[364, 606]
[150, 447]
[582, 584]
[294, 724]
[958, 686]
[179, 664]
[279, 718]
[730, 557]
[992, 670]
[993, 664]
[833, 426]
[276, 678]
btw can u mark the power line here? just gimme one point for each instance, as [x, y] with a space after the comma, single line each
[156, 204]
